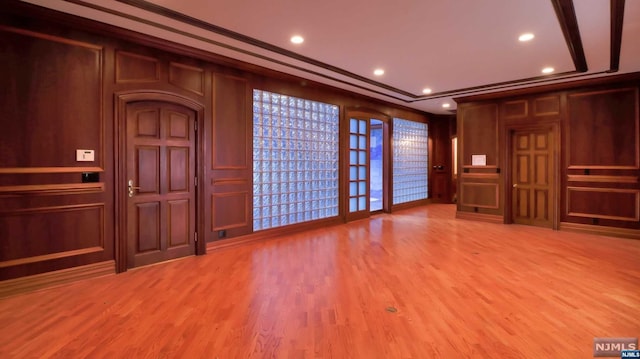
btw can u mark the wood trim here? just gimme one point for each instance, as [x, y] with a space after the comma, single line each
[480, 175]
[223, 181]
[22, 170]
[566, 15]
[580, 167]
[482, 217]
[70, 207]
[558, 86]
[56, 278]
[51, 256]
[596, 178]
[636, 192]
[407, 205]
[52, 189]
[273, 233]
[481, 167]
[617, 20]
[600, 230]
[40, 35]
[363, 113]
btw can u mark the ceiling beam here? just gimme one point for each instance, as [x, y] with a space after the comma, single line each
[617, 19]
[566, 14]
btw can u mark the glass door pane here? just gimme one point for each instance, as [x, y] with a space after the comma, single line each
[376, 166]
[358, 165]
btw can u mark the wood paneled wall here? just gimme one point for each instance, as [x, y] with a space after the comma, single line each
[51, 105]
[603, 157]
[596, 178]
[478, 134]
[231, 160]
[64, 82]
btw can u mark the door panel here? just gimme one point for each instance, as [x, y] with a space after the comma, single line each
[532, 159]
[161, 168]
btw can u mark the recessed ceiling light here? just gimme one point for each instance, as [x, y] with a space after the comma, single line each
[426, 91]
[378, 72]
[526, 37]
[297, 39]
[446, 105]
[548, 70]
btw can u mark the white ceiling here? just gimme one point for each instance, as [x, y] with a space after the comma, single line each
[446, 45]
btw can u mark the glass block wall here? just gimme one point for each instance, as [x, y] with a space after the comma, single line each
[410, 161]
[295, 160]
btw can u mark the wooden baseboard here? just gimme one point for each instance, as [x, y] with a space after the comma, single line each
[407, 205]
[600, 230]
[51, 279]
[483, 217]
[271, 233]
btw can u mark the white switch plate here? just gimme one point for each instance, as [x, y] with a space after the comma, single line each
[85, 155]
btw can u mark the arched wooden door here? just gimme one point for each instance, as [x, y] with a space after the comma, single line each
[160, 177]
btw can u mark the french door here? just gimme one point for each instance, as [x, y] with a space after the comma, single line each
[368, 164]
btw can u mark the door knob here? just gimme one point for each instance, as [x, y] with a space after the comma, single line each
[131, 188]
[515, 185]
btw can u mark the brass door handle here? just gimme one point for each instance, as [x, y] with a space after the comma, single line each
[131, 188]
[515, 185]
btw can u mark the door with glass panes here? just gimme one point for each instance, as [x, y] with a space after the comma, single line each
[358, 189]
[367, 173]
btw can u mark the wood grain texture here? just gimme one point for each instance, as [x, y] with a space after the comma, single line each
[22, 285]
[187, 77]
[135, 68]
[607, 203]
[479, 132]
[545, 106]
[230, 210]
[461, 289]
[230, 123]
[610, 119]
[440, 160]
[481, 195]
[34, 122]
[515, 109]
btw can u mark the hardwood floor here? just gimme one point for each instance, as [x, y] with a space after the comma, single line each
[460, 288]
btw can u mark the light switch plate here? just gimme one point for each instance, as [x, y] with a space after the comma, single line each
[85, 155]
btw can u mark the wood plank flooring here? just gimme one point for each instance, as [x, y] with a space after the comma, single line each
[461, 289]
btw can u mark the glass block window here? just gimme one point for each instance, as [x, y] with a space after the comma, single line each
[410, 161]
[295, 160]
